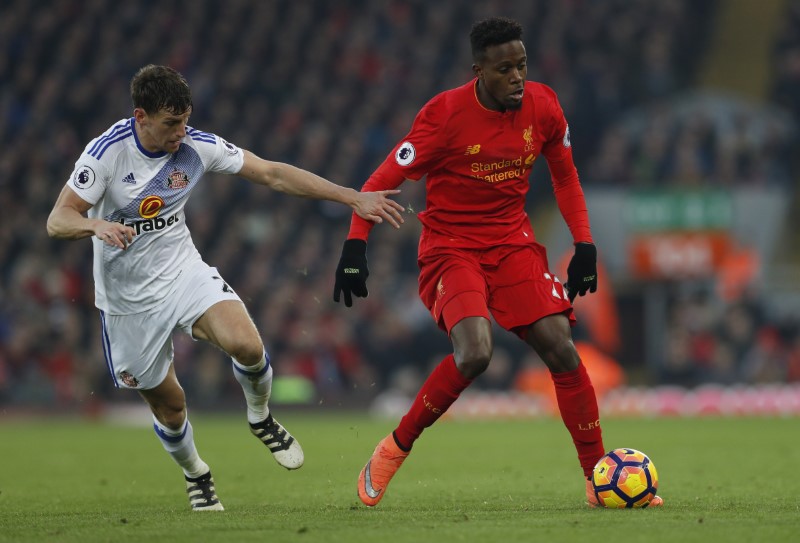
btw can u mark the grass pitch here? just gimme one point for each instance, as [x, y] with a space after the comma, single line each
[722, 479]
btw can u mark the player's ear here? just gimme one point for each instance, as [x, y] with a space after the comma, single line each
[476, 69]
[139, 115]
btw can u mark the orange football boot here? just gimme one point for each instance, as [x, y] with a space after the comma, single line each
[591, 497]
[375, 476]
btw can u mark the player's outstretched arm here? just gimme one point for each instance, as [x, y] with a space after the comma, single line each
[67, 221]
[372, 206]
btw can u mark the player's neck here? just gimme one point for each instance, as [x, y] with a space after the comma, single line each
[145, 140]
[486, 100]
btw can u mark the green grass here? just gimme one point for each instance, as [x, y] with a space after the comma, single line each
[723, 480]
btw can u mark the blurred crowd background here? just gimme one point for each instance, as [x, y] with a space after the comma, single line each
[683, 116]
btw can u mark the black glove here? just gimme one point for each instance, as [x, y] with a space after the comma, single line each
[352, 272]
[582, 270]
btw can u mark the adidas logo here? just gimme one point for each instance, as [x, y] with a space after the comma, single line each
[129, 179]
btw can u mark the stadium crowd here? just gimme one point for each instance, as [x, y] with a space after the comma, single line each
[330, 86]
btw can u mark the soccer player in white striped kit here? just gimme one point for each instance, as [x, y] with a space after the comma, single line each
[127, 192]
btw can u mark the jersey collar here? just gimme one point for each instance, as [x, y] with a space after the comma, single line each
[512, 114]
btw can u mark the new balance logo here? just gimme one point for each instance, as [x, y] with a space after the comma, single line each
[129, 179]
[473, 149]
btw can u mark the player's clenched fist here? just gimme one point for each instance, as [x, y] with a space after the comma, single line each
[582, 270]
[352, 272]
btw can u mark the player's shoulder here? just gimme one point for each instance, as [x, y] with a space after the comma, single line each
[198, 136]
[209, 144]
[541, 91]
[449, 102]
[545, 100]
[108, 143]
[459, 96]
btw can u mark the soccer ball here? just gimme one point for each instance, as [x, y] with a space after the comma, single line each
[624, 478]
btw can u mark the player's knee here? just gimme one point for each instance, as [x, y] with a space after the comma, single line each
[473, 362]
[563, 356]
[247, 351]
[172, 415]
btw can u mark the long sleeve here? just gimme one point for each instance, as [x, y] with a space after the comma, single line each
[384, 178]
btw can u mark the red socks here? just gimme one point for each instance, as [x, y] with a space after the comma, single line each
[574, 391]
[578, 405]
[443, 386]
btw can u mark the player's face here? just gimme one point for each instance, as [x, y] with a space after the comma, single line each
[163, 131]
[501, 76]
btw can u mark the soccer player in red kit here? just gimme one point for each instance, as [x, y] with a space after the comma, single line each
[477, 253]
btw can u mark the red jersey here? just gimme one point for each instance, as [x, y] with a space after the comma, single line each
[477, 163]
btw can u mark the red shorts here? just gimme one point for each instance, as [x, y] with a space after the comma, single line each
[512, 283]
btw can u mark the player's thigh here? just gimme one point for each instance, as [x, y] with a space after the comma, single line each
[548, 333]
[227, 325]
[453, 287]
[208, 308]
[551, 338]
[472, 344]
[523, 290]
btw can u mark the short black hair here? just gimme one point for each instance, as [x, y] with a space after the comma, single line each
[492, 31]
[154, 88]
